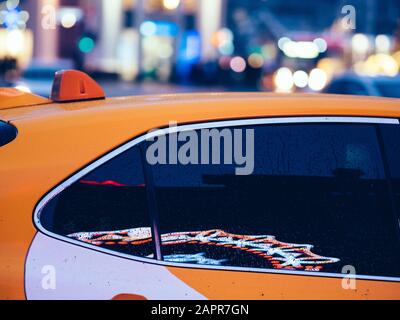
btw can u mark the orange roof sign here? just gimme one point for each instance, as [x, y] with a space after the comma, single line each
[72, 85]
[68, 86]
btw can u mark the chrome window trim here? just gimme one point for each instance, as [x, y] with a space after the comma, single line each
[204, 125]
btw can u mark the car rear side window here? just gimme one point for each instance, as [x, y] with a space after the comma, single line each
[106, 208]
[317, 201]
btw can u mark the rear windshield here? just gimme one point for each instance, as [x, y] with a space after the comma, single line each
[7, 133]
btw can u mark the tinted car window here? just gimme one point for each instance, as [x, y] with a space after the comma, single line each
[317, 201]
[105, 208]
[391, 139]
[7, 133]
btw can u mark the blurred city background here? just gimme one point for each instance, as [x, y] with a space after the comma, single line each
[163, 46]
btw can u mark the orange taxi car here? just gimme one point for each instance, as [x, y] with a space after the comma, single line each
[84, 214]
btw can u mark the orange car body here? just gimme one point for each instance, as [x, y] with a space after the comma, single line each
[56, 140]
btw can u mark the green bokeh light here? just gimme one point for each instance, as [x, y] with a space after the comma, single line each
[86, 45]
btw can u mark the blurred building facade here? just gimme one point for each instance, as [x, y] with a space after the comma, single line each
[133, 38]
[268, 45]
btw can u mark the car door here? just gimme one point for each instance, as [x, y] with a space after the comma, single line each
[95, 238]
[316, 207]
[276, 208]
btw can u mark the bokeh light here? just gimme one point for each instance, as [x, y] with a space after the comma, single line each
[171, 4]
[284, 80]
[317, 79]
[382, 43]
[12, 4]
[148, 28]
[256, 60]
[282, 41]
[68, 20]
[300, 79]
[301, 49]
[15, 42]
[321, 44]
[86, 44]
[360, 43]
[238, 64]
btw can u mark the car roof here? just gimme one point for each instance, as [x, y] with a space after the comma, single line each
[14, 98]
[208, 106]
[94, 127]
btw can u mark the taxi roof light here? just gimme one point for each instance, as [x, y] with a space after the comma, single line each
[73, 85]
